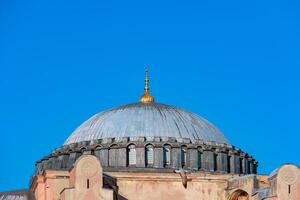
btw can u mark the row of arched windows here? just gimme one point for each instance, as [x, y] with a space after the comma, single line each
[131, 155]
[131, 159]
[149, 155]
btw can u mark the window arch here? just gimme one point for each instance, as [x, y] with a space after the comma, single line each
[239, 195]
[82, 149]
[149, 155]
[183, 156]
[131, 155]
[98, 147]
[167, 155]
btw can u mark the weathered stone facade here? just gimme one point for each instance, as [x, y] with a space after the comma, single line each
[85, 181]
[159, 152]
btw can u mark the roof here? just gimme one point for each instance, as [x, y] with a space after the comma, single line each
[146, 120]
[17, 195]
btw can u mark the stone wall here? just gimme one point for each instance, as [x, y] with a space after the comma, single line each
[84, 181]
[200, 186]
[285, 183]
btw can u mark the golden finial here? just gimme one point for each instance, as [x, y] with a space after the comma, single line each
[146, 98]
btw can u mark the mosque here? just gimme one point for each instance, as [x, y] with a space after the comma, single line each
[148, 150]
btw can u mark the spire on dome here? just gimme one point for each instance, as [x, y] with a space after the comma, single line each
[146, 98]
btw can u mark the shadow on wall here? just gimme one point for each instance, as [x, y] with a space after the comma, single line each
[120, 197]
[110, 182]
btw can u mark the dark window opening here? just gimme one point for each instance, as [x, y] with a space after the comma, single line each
[183, 156]
[215, 162]
[167, 155]
[249, 166]
[88, 183]
[199, 159]
[241, 165]
[228, 164]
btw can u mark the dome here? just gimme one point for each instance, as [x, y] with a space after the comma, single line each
[152, 137]
[146, 120]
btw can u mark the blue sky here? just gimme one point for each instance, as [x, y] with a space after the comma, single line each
[236, 63]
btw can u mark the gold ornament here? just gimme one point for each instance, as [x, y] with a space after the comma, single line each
[146, 98]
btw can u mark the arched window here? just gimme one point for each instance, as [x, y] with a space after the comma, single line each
[215, 161]
[228, 163]
[183, 156]
[254, 168]
[199, 158]
[239, 195]
[149, 155]
[241, 165]
[131, 155]
[167, 155]
[249, 166]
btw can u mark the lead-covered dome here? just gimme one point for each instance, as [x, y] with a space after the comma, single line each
[149, 136]
[146, 120]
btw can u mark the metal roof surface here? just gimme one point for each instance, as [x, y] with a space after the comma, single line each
[146, 120]
[17, 195]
